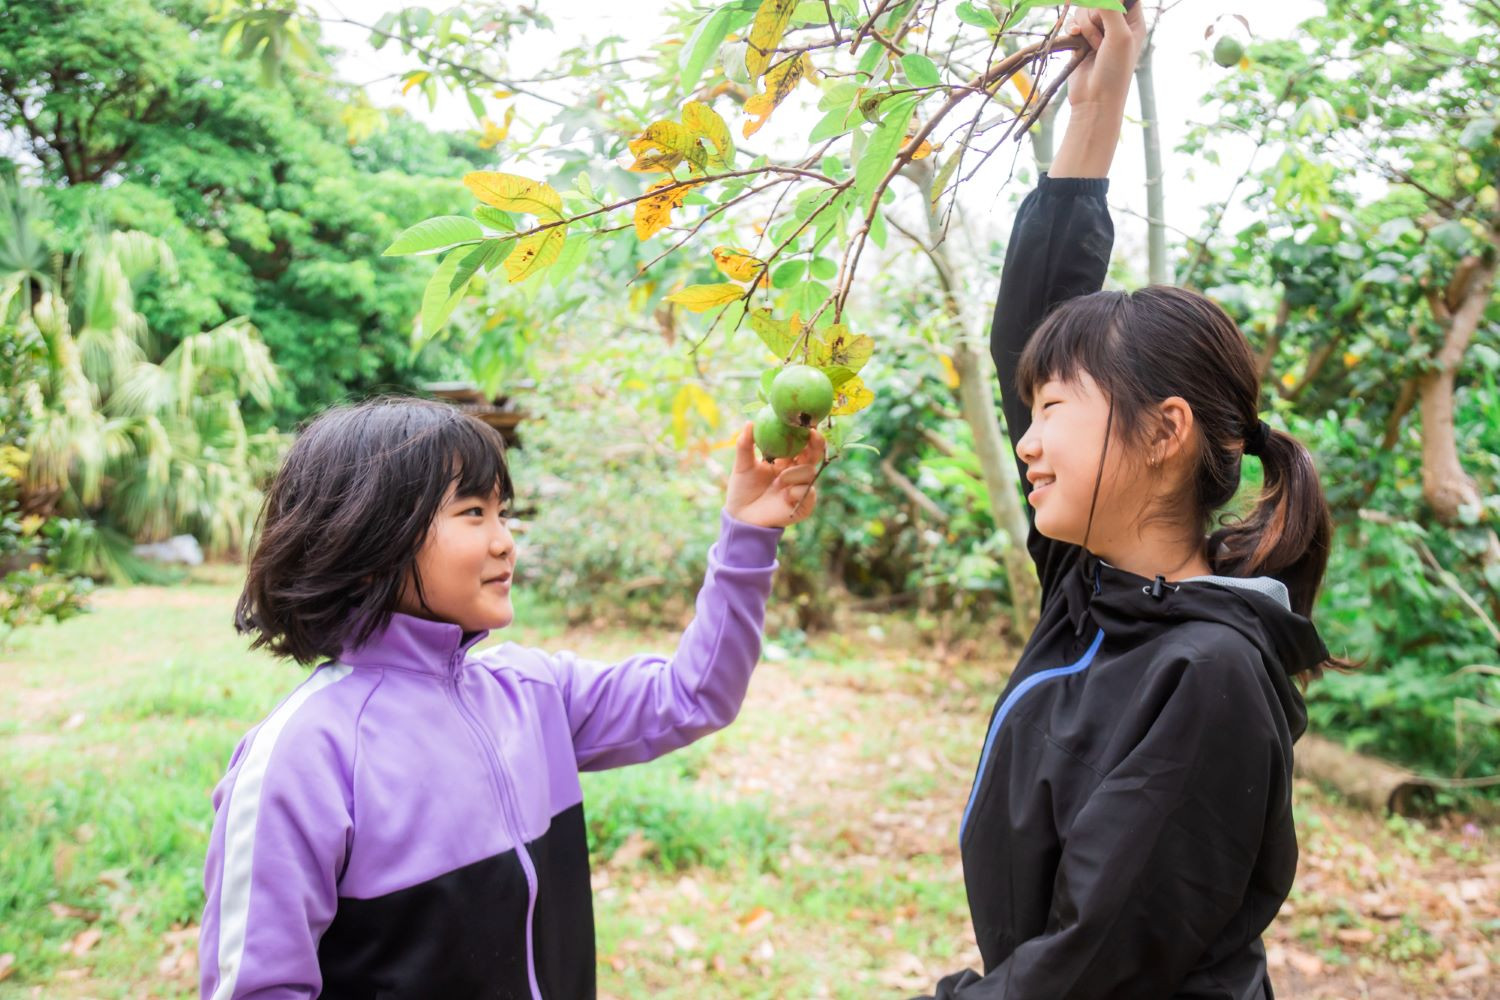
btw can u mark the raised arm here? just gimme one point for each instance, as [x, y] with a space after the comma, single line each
[1061, 240]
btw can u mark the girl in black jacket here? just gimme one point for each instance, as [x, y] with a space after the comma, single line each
[1129, 833]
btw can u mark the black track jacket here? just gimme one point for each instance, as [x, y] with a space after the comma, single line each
[1129, 833]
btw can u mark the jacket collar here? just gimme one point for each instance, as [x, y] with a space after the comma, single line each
[1132, 609]
[413, 643]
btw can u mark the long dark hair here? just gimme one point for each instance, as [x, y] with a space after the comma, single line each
[1145, 346]
[347, 514]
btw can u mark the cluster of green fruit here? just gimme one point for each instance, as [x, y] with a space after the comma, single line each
[801, 398]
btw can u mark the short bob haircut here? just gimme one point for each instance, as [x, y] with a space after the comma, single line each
[347, 515]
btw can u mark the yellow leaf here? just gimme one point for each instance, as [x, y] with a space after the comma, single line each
[1350, 359]
[779, 336]
[654, 213]
[415, 80]
[535, 253]
[701, 120]
[950, 374]
[779, 83]
[851, 397]
[501, 95]
[737, 264]
[835, 346]
[1288, 380]
[662, 146]
[494, 134]
[770, 24]
[701, 298]
[1022, 82]
[512, 193]
[923, 151]
[691, 397]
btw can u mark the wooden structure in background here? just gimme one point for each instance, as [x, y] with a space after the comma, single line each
[501, 412]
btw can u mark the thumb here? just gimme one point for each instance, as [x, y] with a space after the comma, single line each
[744, 452]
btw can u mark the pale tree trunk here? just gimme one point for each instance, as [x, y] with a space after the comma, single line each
[1445, 485]
[1156, 220]
[976, 374]
[1042, 133]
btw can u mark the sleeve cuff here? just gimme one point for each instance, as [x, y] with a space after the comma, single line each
[748, 546]
[1074, 185]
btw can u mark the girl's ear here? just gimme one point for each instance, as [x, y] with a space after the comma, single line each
[1174, 430]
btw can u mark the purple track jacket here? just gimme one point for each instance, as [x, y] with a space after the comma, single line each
[409, 823]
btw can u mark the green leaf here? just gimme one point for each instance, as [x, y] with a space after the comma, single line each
[832, 125]
[885, 142]
[920, 71]
[435, 234]
[766, 378]
[839, 95]
[495, 219]
[1019, 11]
[788, 273]
[979, 17]
[823, 268]
[1478, 132]
[438, 302]
[877, 230]
[944, 175]
[701, 48]
[485, 255]
[568, 261]
[1452, 236]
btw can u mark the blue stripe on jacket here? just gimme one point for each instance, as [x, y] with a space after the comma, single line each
[1004, 710]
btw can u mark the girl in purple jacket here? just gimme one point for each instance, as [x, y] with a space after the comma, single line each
[408, 822]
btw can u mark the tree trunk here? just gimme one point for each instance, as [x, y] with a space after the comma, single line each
[976, 395]
[1042, 133]
[1156, 218]
[1445, 484]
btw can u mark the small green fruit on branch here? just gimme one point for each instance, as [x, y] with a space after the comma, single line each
[1228, 51]
[802, 396]
[776, 438]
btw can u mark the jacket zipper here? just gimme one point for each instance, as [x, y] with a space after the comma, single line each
[512, 816]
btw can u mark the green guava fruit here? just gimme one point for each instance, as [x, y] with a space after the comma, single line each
[775, 437]
[1228, 51]
[801, 395]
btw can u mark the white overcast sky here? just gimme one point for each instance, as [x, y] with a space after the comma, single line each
[1183, 76]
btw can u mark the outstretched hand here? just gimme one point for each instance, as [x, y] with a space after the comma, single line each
[773, 494]
[1116, 40]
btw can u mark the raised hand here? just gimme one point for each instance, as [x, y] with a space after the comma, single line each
[773, 494]
[1117, 39]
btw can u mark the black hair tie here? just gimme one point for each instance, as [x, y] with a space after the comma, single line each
[1257, 437]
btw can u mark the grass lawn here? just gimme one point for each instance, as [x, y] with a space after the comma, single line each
[808, 851]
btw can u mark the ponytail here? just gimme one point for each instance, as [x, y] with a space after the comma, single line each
[1288, 533]
[1286, 536]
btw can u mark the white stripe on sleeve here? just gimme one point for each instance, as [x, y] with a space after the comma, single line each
[239, 827]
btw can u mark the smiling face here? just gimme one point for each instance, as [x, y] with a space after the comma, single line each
[1061, 450]
[465, 564]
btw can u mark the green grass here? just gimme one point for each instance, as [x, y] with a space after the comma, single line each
[807, 851]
